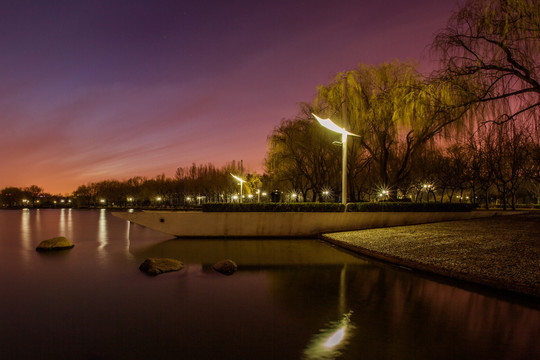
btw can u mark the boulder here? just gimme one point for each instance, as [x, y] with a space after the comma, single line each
[156, 266]
[227, 267]
[57, 243]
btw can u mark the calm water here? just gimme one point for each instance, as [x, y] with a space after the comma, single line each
[290, 299]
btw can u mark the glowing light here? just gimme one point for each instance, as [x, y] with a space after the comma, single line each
[329, 124]
[237, 178]
[158, 198]
[330, 342]
[335, 338]
[241, 185]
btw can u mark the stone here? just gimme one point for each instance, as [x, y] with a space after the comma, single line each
[156, 266]
[57, 243]
[227, 267]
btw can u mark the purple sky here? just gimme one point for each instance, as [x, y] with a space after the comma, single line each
[93, 90]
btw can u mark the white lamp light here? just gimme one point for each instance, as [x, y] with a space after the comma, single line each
[329, 124]
[241, 184]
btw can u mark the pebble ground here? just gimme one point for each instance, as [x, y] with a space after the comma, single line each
[501, 251]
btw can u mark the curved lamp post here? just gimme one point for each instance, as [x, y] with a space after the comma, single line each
[241, 184]
[327, 123]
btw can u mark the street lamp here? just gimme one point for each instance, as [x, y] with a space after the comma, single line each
[241, 184]
[327, 123]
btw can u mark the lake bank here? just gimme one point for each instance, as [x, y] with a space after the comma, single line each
[500, 252]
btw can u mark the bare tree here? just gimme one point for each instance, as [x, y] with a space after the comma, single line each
[490, 52]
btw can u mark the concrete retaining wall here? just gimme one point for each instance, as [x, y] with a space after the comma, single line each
[284, 224]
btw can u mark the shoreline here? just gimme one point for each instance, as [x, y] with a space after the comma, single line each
[501, 252]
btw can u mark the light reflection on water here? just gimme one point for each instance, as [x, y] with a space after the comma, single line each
[66, 225]
[331, 342]
[288, 299]
[26, 240]
[128, 253]
[103, 237]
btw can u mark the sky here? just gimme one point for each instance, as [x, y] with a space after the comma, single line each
[112, 89]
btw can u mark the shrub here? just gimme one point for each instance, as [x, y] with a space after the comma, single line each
[335, 207]
[409, 206]
[273, 207]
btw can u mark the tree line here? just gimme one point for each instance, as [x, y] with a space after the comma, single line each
[189, 187]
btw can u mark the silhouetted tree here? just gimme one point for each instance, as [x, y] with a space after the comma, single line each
[490, 51]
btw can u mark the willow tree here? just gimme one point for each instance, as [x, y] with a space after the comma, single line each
[490, 50]
[395, 112]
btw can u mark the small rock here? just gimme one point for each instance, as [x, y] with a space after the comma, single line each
[156, 266]
[57, 243]
[227, 267]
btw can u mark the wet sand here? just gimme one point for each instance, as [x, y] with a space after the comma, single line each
[502, 252]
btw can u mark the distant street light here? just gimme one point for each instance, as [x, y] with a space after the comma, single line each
[241, 185]
[327, 123]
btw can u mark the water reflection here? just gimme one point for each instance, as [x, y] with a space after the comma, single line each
[128, 253]
[26, 238]
[103, 236]
[66, 223]
[405, 316]
[70, 223]
[252, 253]
[37, 223]
[331, 341]
[343, 289]
[289, 299]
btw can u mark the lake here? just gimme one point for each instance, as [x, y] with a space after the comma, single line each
[290, 299]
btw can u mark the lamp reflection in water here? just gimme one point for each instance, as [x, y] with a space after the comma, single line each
[66, 224]
[128, 253]
[103, 237]
[25, 234]
[330, 341]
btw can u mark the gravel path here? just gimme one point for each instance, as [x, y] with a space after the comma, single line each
[501, 252]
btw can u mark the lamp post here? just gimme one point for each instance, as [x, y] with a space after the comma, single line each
[327, 123]
[241, 184]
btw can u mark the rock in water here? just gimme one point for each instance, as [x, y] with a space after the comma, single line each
[57, 243]
[227, 267]
[156, 266]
